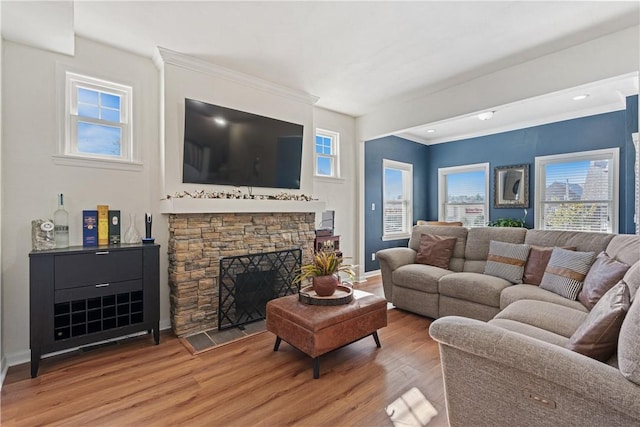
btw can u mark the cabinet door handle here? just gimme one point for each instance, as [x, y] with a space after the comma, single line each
[102, 285]
[102, 253]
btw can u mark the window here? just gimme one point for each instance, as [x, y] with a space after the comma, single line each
[578, 191]
[462, 194]
[326, 153]
[97, 120]
[397, 194]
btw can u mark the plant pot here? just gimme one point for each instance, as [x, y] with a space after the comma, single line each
[325, 286]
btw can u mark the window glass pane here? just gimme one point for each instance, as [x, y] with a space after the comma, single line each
[465, 198]
[87, 96]
[111, 115]
[578, 196]
[584, 180]
[109, 101]
[324, 165]
[99, 139]
[395, 205]
[86, 110]
[466, 187]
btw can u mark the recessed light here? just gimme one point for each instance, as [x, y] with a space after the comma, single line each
[486, 115]
[431, 130]
[581, 97]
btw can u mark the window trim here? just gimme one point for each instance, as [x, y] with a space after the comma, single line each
[407, 190]
[66, 148]
[606, 153]
[335, 156]
[443, 172]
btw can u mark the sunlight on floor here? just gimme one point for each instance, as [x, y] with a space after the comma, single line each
[411, 409]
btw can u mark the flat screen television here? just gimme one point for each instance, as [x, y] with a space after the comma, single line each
[230, 147]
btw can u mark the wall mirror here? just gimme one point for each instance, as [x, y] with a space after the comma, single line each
[511, 186]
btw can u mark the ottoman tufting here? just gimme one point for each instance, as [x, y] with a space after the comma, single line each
[316, 330]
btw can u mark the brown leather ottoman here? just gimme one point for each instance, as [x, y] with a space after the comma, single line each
[316, 330]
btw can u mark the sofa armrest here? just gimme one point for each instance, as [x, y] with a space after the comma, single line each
[551, 363]
[390, 259]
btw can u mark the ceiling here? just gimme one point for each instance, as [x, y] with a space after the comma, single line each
[355, 56]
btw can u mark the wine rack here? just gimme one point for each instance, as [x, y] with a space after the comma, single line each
[83, 295]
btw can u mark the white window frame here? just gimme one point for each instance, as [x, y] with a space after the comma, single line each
[442, 190]
[407, 190]
[67, 150]
[612, 154]
[334, 156]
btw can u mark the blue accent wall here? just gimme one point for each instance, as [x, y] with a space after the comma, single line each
[401, 150]
[516, 147]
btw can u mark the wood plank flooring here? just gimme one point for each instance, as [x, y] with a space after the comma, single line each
[244, 383]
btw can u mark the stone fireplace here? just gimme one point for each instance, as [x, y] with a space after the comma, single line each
[198, 240]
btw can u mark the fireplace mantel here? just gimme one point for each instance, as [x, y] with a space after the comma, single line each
[193, 205]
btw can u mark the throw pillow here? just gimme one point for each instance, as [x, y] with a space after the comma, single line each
[597, 336]
[566, 271]
[537, 262]
[435, 250]
[506, 260]
[604, 273]
[629, 344]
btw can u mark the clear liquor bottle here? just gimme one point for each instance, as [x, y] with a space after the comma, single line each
[61, 224]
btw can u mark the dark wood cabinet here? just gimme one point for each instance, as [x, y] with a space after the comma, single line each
[82, 295]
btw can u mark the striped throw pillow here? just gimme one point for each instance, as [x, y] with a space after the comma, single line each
[507, 260]
[566, 271]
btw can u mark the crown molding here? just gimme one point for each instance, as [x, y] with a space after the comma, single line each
[165, 56]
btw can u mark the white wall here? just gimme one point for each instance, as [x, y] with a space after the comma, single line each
[185, 77]
[340, 194]
[3, 360]
[31, 179]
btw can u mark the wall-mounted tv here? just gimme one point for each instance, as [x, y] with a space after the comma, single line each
[230, 147]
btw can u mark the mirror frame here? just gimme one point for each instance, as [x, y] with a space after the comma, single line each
[503, 196]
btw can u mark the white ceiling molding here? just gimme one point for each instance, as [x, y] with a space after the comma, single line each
[607, 57]
[166, 56]
[46, 25]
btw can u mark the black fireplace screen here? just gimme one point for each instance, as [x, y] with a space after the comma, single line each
[247, 282]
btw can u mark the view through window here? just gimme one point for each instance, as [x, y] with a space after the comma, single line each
[578, 191]
[397, 217]
[462, 194]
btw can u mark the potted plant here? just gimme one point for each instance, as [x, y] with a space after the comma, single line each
[323, 272]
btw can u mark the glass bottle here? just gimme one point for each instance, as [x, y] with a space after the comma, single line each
[132, 235]
[61, 224]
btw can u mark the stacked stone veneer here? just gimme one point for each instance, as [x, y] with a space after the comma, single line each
[198, 241]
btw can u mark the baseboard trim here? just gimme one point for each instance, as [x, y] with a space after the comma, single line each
[373, 273]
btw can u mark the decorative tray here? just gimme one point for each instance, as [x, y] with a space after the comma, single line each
[342, 295]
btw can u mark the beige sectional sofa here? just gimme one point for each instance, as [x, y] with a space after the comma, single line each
[502, 345]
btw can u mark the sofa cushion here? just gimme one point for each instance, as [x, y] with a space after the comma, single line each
[629, 344]
[545, 315]
[530, 331]
[506, 260]
[460, 233]
[602, 276]
[478, 239]
[419, 277]
[583, 241]
[566, 271]
[435, 250]
[537, 262]
[597, 337]
[632, 279]
[474, 287]
[625, 248]
[521, 292]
